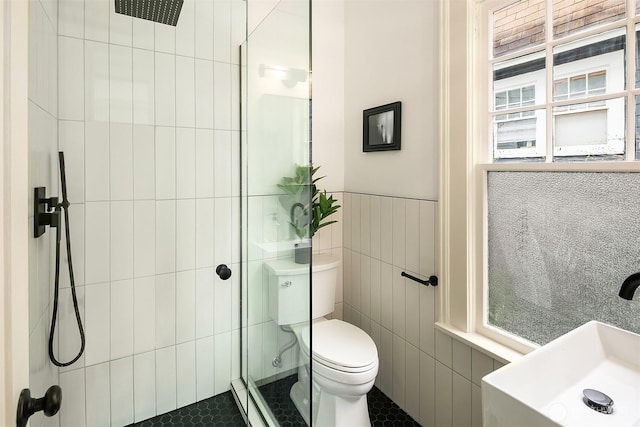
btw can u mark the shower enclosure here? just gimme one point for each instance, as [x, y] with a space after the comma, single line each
[277, 120]
[171, 170]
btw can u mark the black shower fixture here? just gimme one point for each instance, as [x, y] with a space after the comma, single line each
[161, 11]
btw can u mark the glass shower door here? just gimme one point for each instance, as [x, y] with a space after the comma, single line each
[275, 158]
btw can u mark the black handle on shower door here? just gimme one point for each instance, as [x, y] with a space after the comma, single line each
[28, 406]
[223, 271]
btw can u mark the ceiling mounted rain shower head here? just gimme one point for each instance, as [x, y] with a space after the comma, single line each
[161, 11]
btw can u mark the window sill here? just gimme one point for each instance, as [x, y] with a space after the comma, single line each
[481, 343]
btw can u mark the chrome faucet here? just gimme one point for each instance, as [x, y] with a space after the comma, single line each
[629, 286]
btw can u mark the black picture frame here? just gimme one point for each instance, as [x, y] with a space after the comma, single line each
[381, 127]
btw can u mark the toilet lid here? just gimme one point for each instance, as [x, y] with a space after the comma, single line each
[340, 344]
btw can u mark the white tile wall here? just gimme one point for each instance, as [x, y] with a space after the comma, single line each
[122, 391]
[186, 373]
[185, 158]
[149, 154]
[99, 398]
[44, 49]
[434, 378]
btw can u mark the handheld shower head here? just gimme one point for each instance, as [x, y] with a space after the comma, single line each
[161, 11]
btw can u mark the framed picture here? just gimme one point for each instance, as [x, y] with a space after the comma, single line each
[381, 127]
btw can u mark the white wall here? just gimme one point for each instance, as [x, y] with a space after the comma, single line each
[328, 64]
[391, 54]
[390, 218]
[151, 158]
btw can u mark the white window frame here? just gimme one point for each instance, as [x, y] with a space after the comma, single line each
[466, 159]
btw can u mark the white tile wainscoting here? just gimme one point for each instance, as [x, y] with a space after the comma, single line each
[434, 378]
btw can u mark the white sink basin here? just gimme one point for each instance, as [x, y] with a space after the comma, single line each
[544, 388]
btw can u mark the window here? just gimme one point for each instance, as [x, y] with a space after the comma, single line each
[560, 101]
[590, 69]
[578, 119]
[516, 130]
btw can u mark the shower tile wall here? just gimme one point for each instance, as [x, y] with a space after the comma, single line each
[433, 377]
[148, 120]
[43, 131]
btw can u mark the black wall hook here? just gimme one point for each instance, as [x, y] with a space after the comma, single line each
[433, 280]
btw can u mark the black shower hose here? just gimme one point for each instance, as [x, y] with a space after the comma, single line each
[64, 206]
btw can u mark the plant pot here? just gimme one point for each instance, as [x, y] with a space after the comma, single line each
[302, 253]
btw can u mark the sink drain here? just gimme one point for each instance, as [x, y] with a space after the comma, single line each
[597, 400]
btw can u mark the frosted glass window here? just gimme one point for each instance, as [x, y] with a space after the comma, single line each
[560, 244]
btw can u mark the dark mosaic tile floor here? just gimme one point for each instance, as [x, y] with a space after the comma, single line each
[218, 411]
[221, 410]
[383, 411]
[276, 396]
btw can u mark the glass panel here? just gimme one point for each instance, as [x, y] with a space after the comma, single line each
[592, 66]
[516, 134]
[573, 16]
[501, 100]
[560, 90]
[577, 86]
[519, 82]
[528, 95]
[518, 26]
[519, 135]
[597, 82]
[513, 97]
[276, 197]
[558, 250]
[590, 129]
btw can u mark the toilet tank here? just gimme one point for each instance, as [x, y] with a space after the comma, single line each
[289, 288]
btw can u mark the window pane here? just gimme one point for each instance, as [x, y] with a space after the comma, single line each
[528, 95]
[501, 100]
[600, 59]
[519, 135]
[597, 82]
[573, 16]
[522, 78]
[577, 86]
[590, 129]
[560, 90]
[518, 26]
[637, 127]
[559, 249]
[513, 97]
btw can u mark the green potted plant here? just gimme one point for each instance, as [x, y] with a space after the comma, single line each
[308, 208]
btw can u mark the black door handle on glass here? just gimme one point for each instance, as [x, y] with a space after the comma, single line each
[223, 271]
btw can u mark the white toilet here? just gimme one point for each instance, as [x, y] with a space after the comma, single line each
[344, 359]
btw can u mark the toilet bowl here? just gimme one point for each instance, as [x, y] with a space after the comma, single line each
[338, 362]
[344, 365]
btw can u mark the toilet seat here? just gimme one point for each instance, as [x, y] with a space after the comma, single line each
[340, 346]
